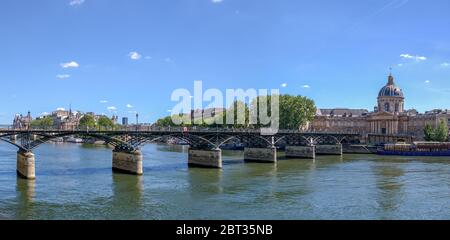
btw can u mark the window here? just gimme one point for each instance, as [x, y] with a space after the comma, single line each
[383, 131]
[396, 107]
[387, 107]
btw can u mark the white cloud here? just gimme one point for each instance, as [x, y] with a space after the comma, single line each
[400, 65]
[60, 109]
[416, 58]
[76, 3]
[134, 56]
[45, 114]
[70, 65]
[103, 101]
[63, 76]
[112, 108]
[148, 57]
[284, 85]
[169, 60]
[129, 106]
[306, 86]
[445, 65]
[427, 82]
[216, 1]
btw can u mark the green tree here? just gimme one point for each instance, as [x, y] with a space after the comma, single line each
[105, 123]
[441, 132]
[238, 115]
[87, 121]
[165, 122]
[44, 122]
[429, 133]
[294, 111]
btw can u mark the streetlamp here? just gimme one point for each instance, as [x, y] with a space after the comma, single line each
[137, 121]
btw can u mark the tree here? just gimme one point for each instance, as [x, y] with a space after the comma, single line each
[44, 122]
[441, 132]
[165, 122]
[238, 115]
[294, 111]
[105, 123]
[429, 132]
[87, 121]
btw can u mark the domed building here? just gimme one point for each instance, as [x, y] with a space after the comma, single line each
[389, 122]
[390, 97]
[389, 117]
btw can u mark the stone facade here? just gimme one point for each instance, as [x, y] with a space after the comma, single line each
[205, 158]
[389, 122]
[22, 122]
[128, 162]
[268, 155]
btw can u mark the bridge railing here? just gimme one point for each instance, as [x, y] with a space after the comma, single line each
[142, 128]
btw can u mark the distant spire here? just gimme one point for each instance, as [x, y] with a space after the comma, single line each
[390, 78]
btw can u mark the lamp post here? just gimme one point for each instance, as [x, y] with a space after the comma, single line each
[137, 121]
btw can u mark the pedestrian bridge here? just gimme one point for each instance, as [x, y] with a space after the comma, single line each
[205, 144]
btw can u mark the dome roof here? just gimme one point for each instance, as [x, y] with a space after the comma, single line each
[391, 90]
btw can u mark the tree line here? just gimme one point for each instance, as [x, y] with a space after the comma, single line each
[86, 122]
[294, 112]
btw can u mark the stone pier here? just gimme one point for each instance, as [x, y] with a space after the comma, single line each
[329, 149]
[128, 162]
[307, 152]
[263, 155]
[26, 165]
[205, 158]
[13, 138]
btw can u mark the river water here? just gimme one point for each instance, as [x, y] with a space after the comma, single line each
[76, 182]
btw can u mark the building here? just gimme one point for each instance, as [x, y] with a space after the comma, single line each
[21, 122]
[125, 121]
[65, 120]
[62, 119]
[202, 114]
[389, 122]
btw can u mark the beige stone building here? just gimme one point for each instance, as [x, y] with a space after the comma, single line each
[389, 122]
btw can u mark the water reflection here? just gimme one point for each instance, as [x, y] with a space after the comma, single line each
[26, 193]
[203, 182]
[127, 194]
[390, 187]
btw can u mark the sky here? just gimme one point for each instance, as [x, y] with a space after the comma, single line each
[123, 57]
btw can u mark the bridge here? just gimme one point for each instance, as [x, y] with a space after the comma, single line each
[205, 145]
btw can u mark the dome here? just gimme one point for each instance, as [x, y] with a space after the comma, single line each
[391, 90]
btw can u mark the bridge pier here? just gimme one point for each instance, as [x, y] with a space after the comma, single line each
[307, 152]
[205, 158]
[26, 165]
[13, 138]
[329, 149]
[128, 162]
[261, 155]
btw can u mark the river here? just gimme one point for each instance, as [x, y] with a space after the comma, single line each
[76, 182]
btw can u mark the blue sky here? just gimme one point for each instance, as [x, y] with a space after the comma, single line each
[100, 54]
